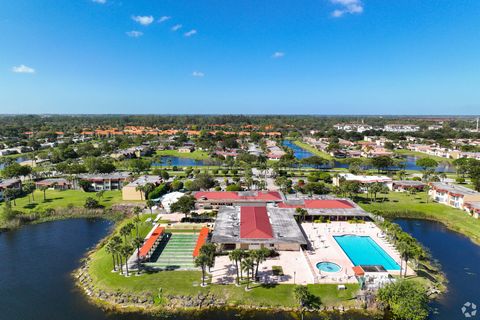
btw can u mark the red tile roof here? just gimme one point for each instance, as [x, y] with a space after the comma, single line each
[255, 223]
[320, 204]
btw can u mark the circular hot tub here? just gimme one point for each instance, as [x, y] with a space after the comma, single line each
[327, 266]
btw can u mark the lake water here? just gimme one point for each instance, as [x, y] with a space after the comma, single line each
[19, 159]
[179, 162]
[460, 260]
[35, 282]
[410, 161]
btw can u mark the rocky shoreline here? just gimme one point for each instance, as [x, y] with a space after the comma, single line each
[146, 302]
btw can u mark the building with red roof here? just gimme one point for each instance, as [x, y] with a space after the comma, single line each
[255, 223]
[215, 199]
[248, 228]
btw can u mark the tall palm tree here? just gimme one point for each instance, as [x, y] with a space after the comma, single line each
[137, 242]
[202, 261]
[125, 252]
[137, 211]
[247, 265]
[110, 249]
[259, 256]
[236, 256]
[141, 189]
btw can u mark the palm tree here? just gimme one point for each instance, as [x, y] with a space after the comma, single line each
[247, 265]
[126, 230]
[236, 256]
[137, 242]
[137, 211]
[259, 256]
[125, 252]
[110, 249]
[202, 261]
[29, 188]
[209, 250]
[44, 189]
[150, 204]
[140, 189]
[302, 296]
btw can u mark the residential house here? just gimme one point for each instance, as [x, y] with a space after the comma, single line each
[131, 192]
[453, 195]
[9, 184]
[106, 181]
[54, 183]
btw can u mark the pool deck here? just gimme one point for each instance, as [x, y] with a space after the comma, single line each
[299, 267]
[323, 247]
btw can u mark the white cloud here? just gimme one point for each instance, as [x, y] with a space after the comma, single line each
[134, 34]
[177, 27]
[198, 74]
[100, 1]
[164, 18]
[143, 20]
[347, 7]
[190, 33]
[278, 54]
[23, 69]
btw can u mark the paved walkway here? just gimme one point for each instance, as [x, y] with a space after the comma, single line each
[294, 265]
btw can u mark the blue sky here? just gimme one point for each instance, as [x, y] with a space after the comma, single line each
[248, 56]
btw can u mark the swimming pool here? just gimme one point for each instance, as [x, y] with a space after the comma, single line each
[326, 266]
[363, 250]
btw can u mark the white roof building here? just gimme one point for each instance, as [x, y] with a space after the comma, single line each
[169, 199]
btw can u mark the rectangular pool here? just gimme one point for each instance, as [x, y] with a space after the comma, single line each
[363, 250]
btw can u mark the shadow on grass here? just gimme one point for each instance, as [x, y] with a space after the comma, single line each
[30, 206]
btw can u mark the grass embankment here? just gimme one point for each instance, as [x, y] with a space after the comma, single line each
[187, 283]
[403, 205]
[311, 149]
[422, 155]
[196, 155]
[56, 199]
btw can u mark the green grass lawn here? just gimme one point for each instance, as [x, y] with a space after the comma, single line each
[311, 149]
[187, 283]
[63, 199]
[423, 155]
[196, 155]
[404, 205]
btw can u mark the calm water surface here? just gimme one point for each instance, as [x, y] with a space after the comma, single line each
[35, 283]
[460, 260]
[410, 161]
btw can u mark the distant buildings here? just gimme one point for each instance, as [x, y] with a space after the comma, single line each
[352, 127]
[401, 128]
[215, 199]
[364, 180]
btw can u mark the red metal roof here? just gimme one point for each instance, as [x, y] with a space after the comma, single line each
[255, 223]
[202, 238]
[358, 270]
[235, 196]
[320, 204]
[145, 249]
